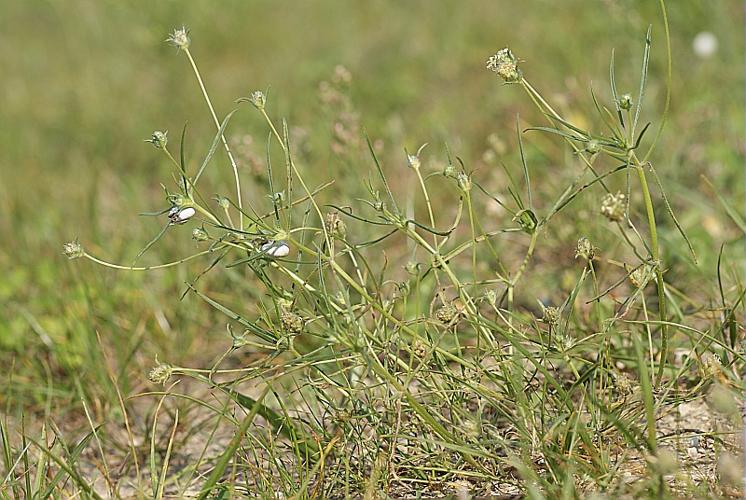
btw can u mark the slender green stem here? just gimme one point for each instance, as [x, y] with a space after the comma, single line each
[234, 166]
[147, 268]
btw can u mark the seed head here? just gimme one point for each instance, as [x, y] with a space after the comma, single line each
[160, 373]
[179, 38]
[641, 276]
[158, 139]
[335, 226]
[551, 315]
[613, 206]
[73, 249]
[625, 101]
[447, 313]
[593, 147]
[585, 249]
[464, 182]
[291, 322]
[505, 64]
[419, 349]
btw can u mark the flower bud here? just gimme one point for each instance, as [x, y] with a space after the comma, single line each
[158, 139]
[73, 249]
[613, 206]
[593, 147]
[625, 101]
[223, 202]
[505, 64]
[450, 171]
[200, 234]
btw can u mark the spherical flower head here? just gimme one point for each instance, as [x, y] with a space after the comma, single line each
[613, 206]
[505, 64]
[291, 322]
[551, 315]
[160, 373]
[585, 249]
[179, 38]
[73, 250]
[447, 313]
[158, 139]
[258, 99]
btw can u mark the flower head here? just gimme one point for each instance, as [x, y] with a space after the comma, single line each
[258, 99]
[550, 315]
[625, 101]
[179, 38]
[505, 64]
[73, 249]
[160, 373]
[613, 206]
[585, 249]
[291, 322]
[335, 226]
[158, 139]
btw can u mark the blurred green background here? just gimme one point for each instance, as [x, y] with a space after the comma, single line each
[84, 82]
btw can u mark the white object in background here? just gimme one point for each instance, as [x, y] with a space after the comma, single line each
[705, 44]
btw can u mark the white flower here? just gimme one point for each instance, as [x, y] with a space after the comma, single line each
[705, 44]
[276, 248]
